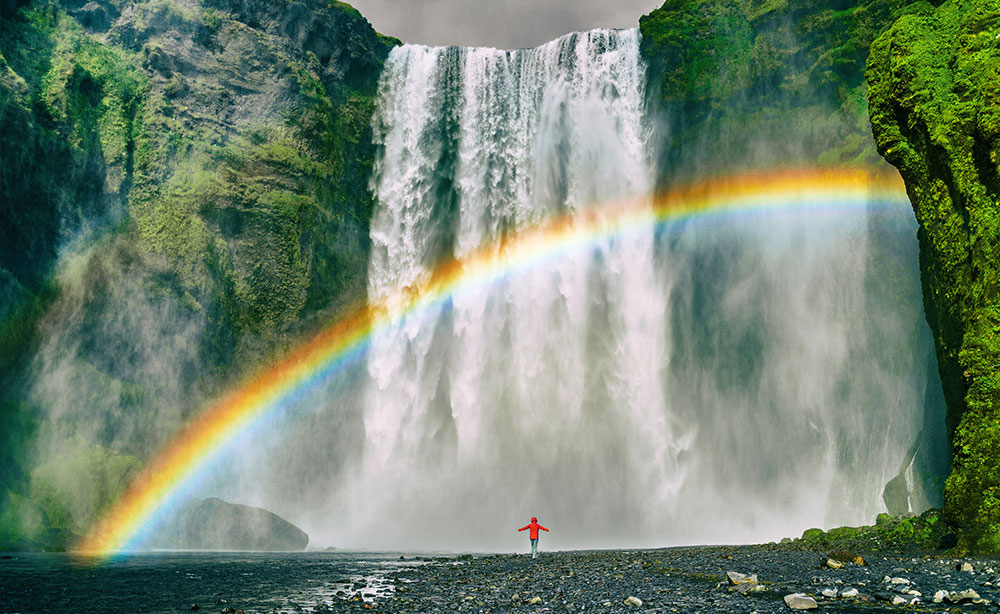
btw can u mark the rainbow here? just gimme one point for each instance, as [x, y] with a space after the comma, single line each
[160, 485]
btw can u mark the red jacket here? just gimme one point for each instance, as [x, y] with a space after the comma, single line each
[534, 526]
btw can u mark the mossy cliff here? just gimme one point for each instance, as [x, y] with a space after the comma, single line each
[935, 112]
[759, 83]
[183, 194]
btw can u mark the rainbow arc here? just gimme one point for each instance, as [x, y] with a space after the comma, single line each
[160, 484]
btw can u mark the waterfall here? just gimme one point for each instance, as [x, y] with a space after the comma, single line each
[729, 382]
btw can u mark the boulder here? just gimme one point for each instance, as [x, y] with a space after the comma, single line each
[966, 596]
[214, 524]
[800, 601]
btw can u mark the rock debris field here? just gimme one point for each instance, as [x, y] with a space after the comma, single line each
[742, 579]
[690, 580]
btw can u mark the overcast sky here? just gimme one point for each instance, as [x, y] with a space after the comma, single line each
[505, 24]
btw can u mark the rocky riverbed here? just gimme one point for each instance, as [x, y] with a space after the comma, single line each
[696, 580]
[688, 580]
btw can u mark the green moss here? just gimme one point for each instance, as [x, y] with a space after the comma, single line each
[901, 533]
[22, 521]
[76, 488]
[760, 83]
[935, 112]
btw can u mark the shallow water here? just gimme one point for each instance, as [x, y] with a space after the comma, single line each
[159, 582]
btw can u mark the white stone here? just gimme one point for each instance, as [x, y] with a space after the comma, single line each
[939, 596]
[633, 601]
[966, 567]
[899, 600]
[832, 564]
[736, 578]
[849, 592]
[800, 601]
[899, 581]
[830, 592]
[535, 600]
[962, 596]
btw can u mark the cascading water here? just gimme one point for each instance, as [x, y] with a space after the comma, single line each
[725, 383]
[544, 391]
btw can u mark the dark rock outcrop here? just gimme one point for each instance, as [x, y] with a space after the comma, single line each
[935, 111]
[214, 524]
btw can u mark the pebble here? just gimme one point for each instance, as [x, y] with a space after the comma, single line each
[850, 592]
[535, 599]
[830, 592]
[634, 601]
[939, 596]
[965, 567]
[832, 564]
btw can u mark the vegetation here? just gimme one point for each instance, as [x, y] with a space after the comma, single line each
[212, 160]
[924, 532]
[935, 112]
[759, 83]
[766, 82]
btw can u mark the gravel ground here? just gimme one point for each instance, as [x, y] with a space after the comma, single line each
[689, 580]
[686, 580]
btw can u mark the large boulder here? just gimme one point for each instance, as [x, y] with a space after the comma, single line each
[214, 524]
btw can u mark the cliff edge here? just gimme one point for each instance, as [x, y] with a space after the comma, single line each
[934, 103]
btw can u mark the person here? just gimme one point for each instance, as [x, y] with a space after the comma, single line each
[534, 526]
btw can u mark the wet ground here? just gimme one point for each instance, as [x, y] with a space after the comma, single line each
[179, 581]
[672, 580]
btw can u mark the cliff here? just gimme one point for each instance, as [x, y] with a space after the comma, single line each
[184, 192]
[760, 83]
[934, 104]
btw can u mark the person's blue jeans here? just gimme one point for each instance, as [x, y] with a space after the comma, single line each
[534, 548]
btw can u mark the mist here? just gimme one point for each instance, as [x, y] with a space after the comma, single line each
[724, 379]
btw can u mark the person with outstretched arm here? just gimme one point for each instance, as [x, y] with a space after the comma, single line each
[534, 526]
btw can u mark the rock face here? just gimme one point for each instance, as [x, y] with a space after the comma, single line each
[742, 85]
[220, 151]
[934, 103]
[214, 524]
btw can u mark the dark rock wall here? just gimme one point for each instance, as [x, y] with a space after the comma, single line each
[935, 112]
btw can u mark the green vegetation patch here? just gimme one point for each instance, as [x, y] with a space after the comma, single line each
[935, 111]
[903, 533]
